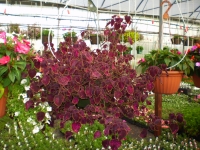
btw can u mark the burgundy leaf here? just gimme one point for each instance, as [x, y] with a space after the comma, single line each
[45, 80]
[128, 19]
[121, 85]
[150, 86]
[174, 128]
[95, 74]
[40, 116]
[58, 99]
[29, 104]
[63, 80]
[32, 73]
[115, 144]
[143, 134]
[148, 102]
[109, 87]
[122, 134]
[75, 100]
[68, 134]
[88, 92]
[130, 40]
[106, 143]
[172, 116]
[179, 118]
[117, 94]
[76, 126]
[97, 134]
[130, 89]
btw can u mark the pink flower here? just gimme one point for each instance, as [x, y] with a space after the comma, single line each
[197, 64]
[178, 52]
[194, 48]
[22, 48]
[38, 58]
[3, 36]
[141, 60]
[4, 60]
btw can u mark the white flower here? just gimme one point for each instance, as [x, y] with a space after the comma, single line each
[27, 88]
[25, 100]
[38, 74]
[49, 108]
[41, 126]
[24, 95]
[35, 130]
[29, 119]
[17, 113]
[47, 115]
[24, 81]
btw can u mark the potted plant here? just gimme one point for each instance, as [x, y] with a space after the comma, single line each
[45, 36]
[191, 41]
[15, 57]
[34, 32]
[167, 48]
[103, 77]
[176, 39]
[194, 55]
[70, 35]
[197, 39]
[139, 49]
[135, 36]
[13, 28]
[93, 38]
[173, 64]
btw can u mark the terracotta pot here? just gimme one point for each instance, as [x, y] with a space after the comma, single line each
[3, 103]
[196, 80]
[168, 84]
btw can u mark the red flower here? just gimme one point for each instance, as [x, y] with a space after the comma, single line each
[22, 48]
[3, 36]
[4, 60]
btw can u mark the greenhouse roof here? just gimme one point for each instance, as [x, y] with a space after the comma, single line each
[180, 8]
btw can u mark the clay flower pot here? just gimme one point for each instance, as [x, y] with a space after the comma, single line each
[196, 80]
[3, 103]
[168, 84]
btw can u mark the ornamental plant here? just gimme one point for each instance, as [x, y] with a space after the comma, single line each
[15, 55]
[166, 59]
[76, 73]
[194, 55]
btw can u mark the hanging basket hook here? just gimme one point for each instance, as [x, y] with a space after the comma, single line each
[166, 15]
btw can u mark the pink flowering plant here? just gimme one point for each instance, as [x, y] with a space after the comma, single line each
[15, 55]
[194, 55]
[165, 59]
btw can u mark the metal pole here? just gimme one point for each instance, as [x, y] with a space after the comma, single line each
[161, 26]
[158, 97]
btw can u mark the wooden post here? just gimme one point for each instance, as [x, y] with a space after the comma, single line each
[158, 112]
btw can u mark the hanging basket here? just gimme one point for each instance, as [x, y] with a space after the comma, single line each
[3, 103]
[93, 39]
[45, 39]
[176, 41]
[196, 80]
[168, 83]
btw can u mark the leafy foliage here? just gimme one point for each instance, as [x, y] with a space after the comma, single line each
[169, 59]
[103, 77]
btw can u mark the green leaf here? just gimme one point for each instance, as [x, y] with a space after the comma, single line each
[1, 90]
[17, 74]
[3, 69]
[6, 81]
[167, 61]
[11, 76]
[20, 65]
[8, 52]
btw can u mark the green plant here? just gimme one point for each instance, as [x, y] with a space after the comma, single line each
[15, 55]
[194, 55]
[13, 28]
[69, 34]
[135, 36]
[177, 36]
[167, 48]
[45, 32]
[139, 48]
[165, 59]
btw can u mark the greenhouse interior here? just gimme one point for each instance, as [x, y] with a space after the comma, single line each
[100, 74]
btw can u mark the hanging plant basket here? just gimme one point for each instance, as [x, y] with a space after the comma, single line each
[45, 39]
[176, 41]
[93, 39]
[3, 103]
[168, 83]
[196, 80]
